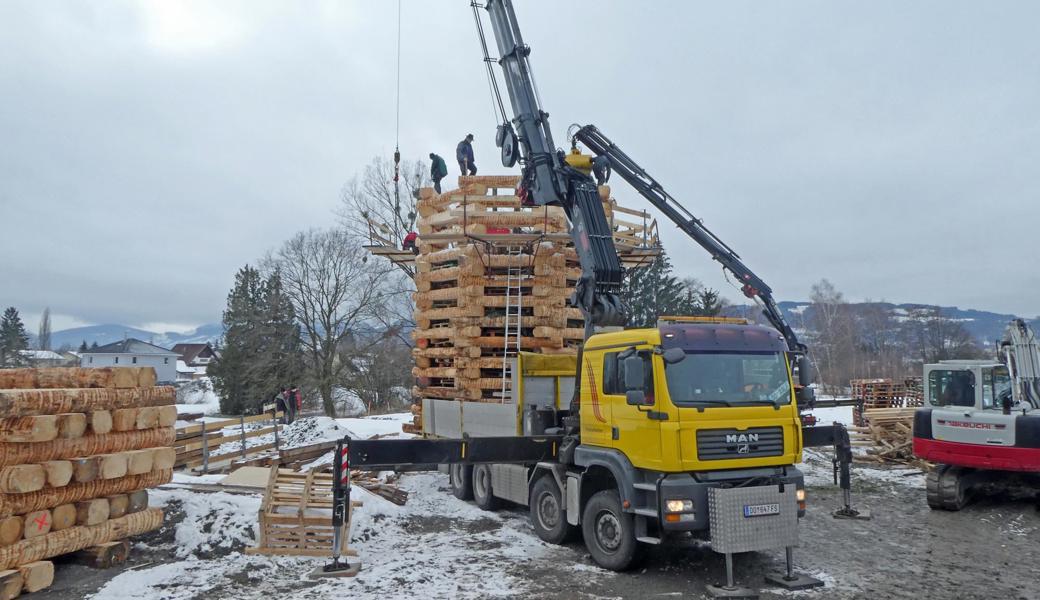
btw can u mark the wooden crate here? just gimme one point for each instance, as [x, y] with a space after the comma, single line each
[296, 516]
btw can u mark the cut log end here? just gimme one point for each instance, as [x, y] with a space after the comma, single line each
[10, 530]
[22, 479]
[92, 512]
[37, 575]
[10, 584]
[71, 425]
[63, 516]
[38, 523]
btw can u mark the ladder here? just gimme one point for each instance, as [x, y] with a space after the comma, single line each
[514, 306]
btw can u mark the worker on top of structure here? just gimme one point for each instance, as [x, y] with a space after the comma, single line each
[464, 154]
[410, 242]
[438, 170]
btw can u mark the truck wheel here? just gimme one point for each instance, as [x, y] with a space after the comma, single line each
[953, 488]
[609, 532]
[482, 494]
[461, 478]
[547, 511]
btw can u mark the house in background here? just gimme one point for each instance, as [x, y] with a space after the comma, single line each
[45, 358]
[196, 355]
[132, 352]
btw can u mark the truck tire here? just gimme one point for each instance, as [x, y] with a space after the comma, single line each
[461, 478]
[547, 511]
[609, 532]
[482, 494]
[953, 488]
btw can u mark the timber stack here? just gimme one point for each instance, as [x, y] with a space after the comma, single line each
[79, 447]
[493, 278]
[873, 394]
[887, 434]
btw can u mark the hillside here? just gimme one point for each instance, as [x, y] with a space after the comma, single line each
[984, 326]
[104, 334]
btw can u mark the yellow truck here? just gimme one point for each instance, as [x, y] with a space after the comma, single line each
[692, 426]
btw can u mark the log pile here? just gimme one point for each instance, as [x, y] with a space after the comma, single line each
[887, 434]
[78, 449]
[493, 276]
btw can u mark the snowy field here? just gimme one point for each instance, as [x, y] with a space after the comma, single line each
[434, 547]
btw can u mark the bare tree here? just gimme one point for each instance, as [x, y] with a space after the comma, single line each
[336, 291]
[43, 338]
[373, 198]
[933, 336]
[835, 341]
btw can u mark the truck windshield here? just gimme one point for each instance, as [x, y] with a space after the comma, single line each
[729, 379]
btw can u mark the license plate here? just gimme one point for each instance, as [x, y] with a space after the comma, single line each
[761, 510]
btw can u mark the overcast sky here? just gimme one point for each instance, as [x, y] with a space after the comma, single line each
[148, 150]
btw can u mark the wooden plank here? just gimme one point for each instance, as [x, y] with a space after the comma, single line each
[10, 584]
[104, 556]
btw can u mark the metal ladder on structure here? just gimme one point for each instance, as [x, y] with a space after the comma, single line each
[514, 307]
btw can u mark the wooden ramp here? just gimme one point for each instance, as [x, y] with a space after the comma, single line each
[296, 516]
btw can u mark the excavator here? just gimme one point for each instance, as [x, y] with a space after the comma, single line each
[981, 422]
[693, 426]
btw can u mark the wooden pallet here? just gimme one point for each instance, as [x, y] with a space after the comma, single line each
[296, 516]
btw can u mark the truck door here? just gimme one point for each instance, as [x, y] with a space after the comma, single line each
[636, 430]
[595, 407]
[967, 408]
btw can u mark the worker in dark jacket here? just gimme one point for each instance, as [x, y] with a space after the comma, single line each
[438, 171]
[464, 154]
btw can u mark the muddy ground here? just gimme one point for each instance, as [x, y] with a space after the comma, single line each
[989, 550]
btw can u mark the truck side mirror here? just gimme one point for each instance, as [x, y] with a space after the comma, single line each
[635, 398]
[805, 371]
[672, 356]
[634, 375]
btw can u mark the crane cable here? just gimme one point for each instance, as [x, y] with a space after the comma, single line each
[497, 106]
[397, 135]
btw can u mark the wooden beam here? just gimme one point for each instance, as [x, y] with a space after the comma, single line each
[28, 402]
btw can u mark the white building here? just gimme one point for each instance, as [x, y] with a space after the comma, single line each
[133, 353]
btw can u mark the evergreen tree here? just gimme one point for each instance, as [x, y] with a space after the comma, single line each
[261, 351]
[83, 346]
[94, 346]
[653, 292]
[13, 339]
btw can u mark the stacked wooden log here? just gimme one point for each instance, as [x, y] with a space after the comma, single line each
[493, 276]
[887, 434]
[78, 449]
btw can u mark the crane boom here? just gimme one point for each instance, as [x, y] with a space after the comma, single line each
[547, 179]
[752, 285]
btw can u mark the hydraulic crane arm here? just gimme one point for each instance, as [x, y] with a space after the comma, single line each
[547, 179]
[753, 286]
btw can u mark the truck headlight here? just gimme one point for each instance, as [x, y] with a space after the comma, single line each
[676, 506]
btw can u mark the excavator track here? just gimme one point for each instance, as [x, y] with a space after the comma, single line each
[946, 488]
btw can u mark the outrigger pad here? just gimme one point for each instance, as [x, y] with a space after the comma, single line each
[796, 582]
[853, 515]
[339, 569]
[721, 591]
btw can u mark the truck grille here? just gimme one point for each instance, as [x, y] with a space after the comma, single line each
[717, 444]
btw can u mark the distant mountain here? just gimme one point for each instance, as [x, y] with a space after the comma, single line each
[105, 334]
[983, 325]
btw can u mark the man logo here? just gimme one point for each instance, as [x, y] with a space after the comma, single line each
[741, 438]
[744, 449]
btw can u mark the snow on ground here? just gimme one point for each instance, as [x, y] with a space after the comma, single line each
[198, 396]
[424, 548]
